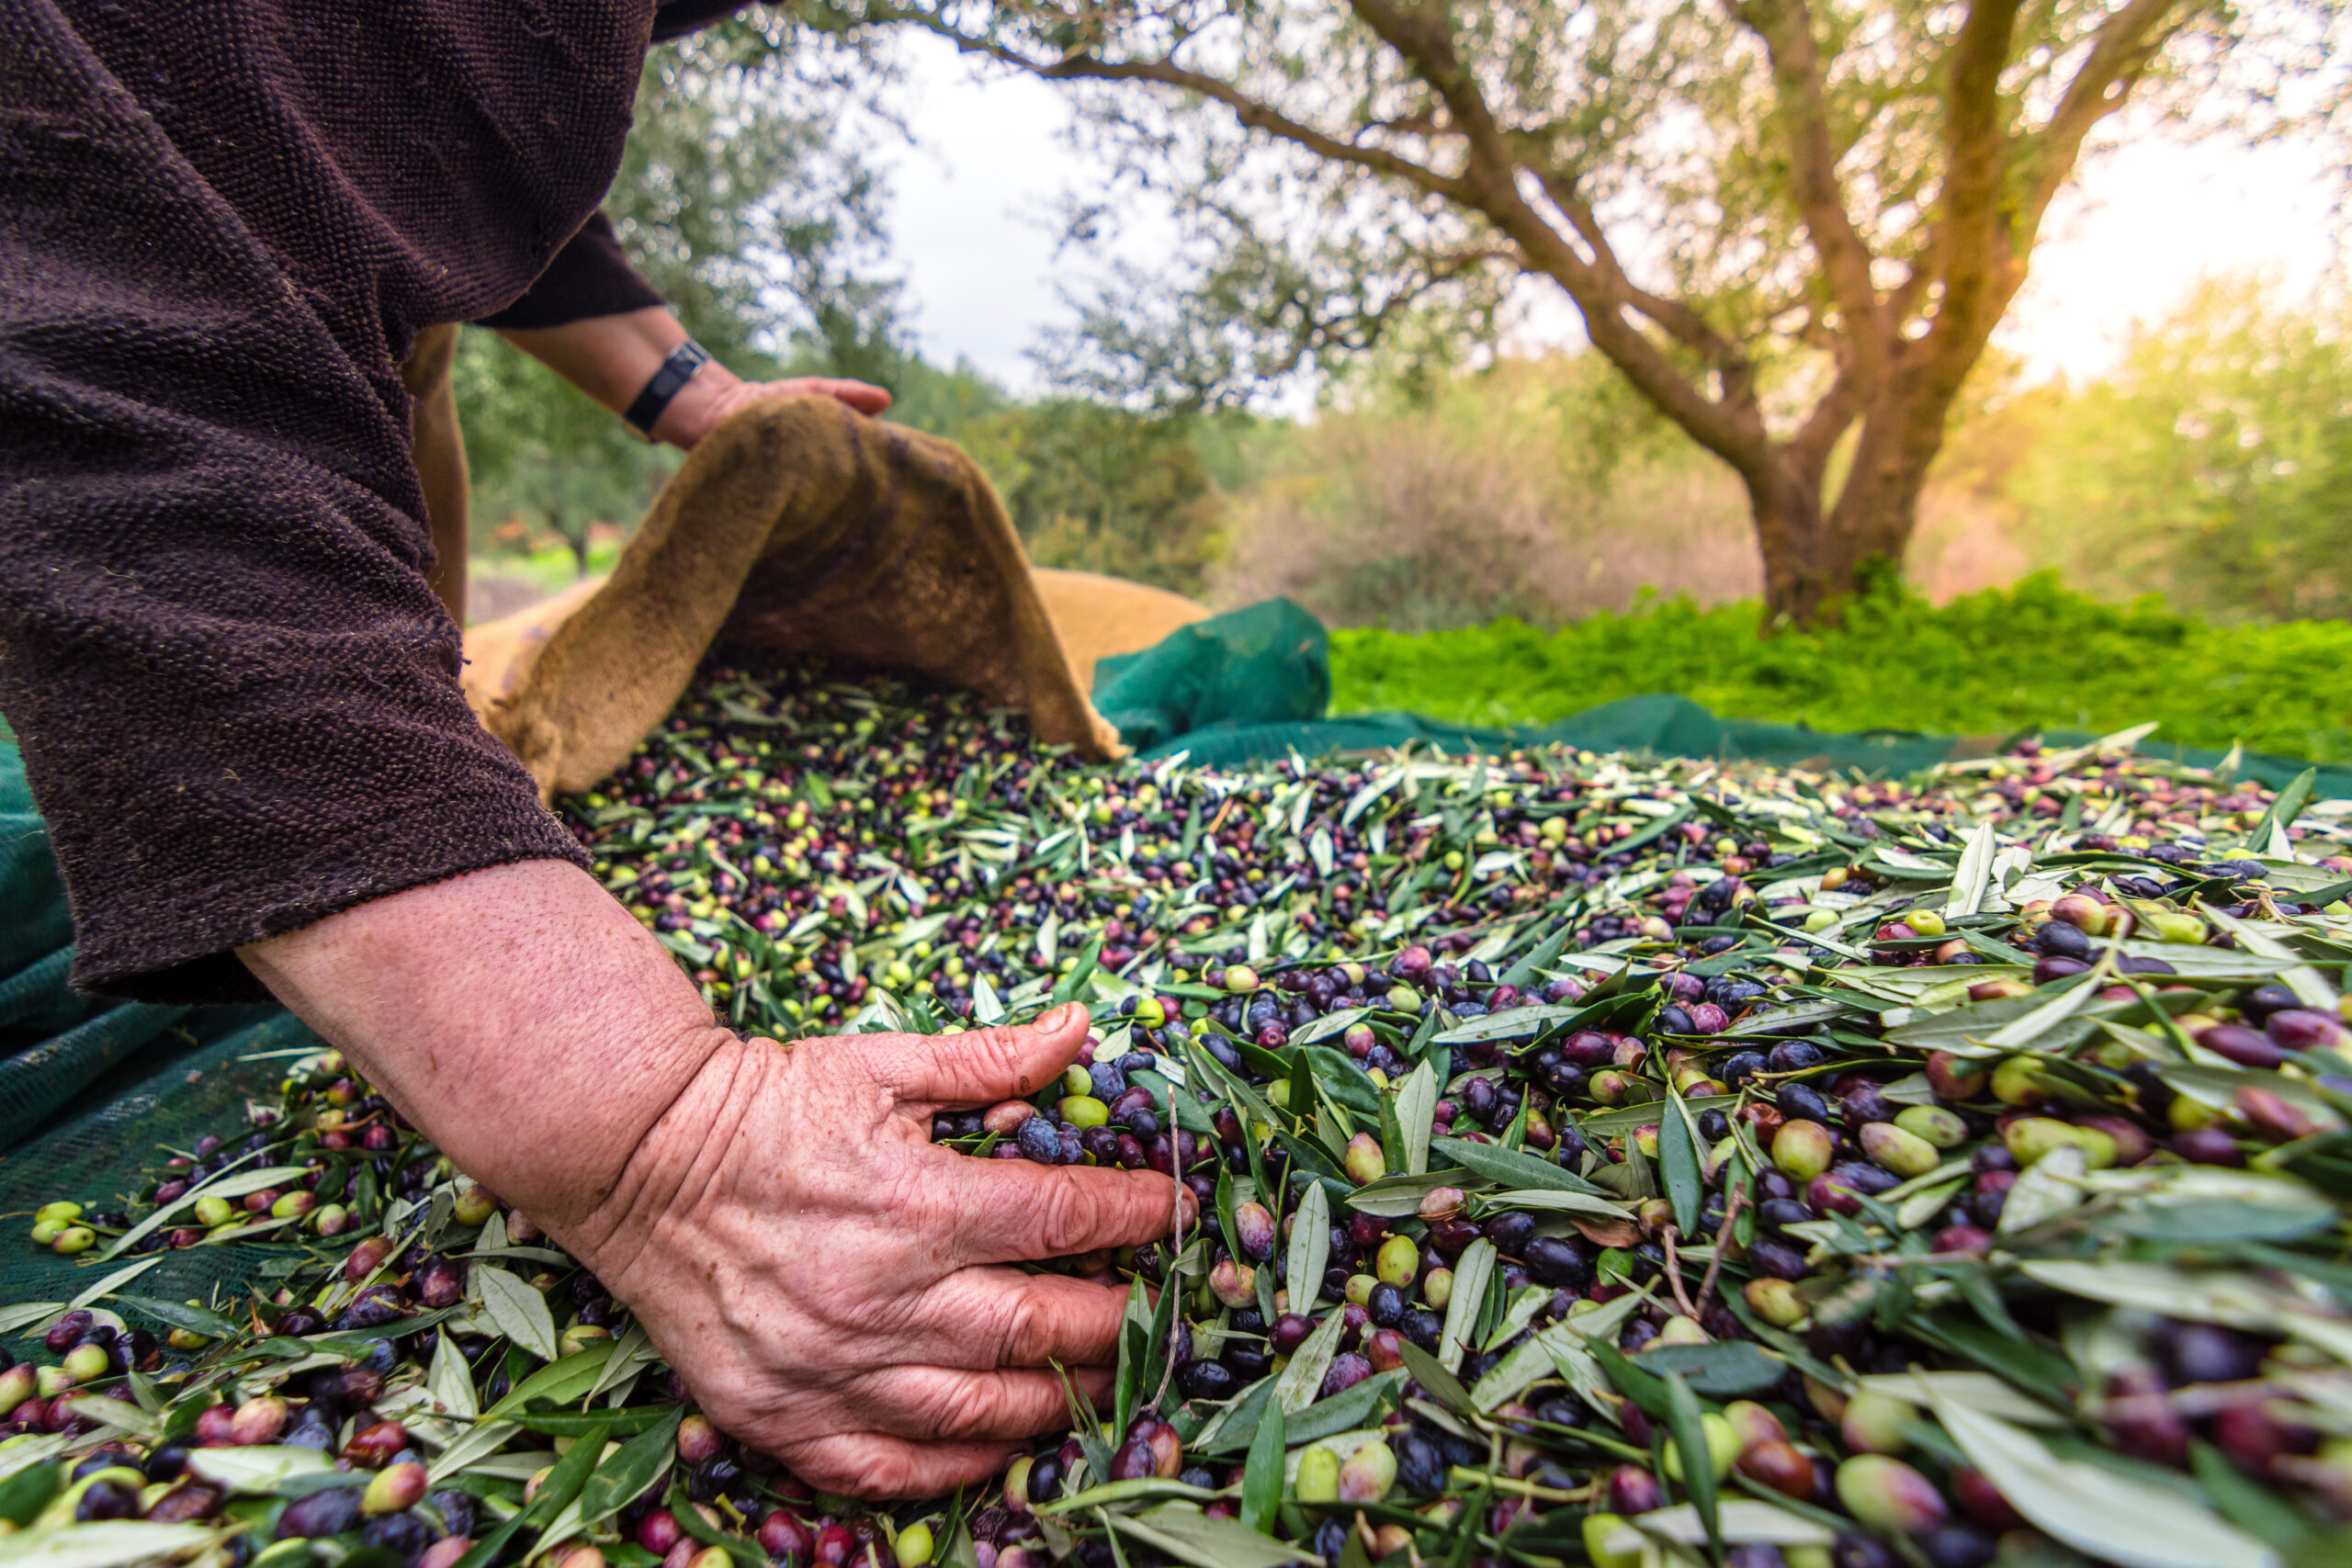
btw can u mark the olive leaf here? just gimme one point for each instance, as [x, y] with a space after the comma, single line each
[178, 1315]
[1698, 1463]
[1722, 1371]
[1310, 1242]
[1189, 1535]
[486, 1438]
[2049, 1187]
[2096, 1510]
[1262, 1474]
[1470, 1272]
[111, 1543]
[1677, 1159]
[560, 1383]
[1297, 1388]
[633, 1470]
[1512, 1167]
[451, 1380]
[520, 1312]
[258, 1469]
[1416, 1111]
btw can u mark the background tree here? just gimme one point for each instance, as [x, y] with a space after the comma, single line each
[1793, 227]
[2213, 466]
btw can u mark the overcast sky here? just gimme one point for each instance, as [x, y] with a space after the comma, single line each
[972, 226]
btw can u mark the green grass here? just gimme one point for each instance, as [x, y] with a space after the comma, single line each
[2035, 656]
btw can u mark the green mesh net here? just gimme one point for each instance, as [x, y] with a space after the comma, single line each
[95, 1092]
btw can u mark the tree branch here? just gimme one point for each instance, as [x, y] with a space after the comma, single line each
[1732, 428]
[1786, 28]
[1251, 112]
[2126, 45]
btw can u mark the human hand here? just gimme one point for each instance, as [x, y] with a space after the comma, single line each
[715, 393]
[832, 1285]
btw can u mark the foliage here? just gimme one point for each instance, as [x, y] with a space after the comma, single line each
[1101, 488]
[1990, 662]
[2214, 465]
[1785, 224]
[1538, 488]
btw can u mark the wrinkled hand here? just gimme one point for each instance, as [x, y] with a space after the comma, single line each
[705, 403]
[832, 1285]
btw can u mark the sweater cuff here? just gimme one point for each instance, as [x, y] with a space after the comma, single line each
[589, 277]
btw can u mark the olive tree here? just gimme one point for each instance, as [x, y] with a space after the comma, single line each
[1793, 225]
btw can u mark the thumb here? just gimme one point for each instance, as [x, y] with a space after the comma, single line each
[1001, 1062]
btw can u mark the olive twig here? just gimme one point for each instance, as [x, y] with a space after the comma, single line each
[1737, 1202]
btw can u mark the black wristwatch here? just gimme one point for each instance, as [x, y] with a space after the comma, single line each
[676, 371]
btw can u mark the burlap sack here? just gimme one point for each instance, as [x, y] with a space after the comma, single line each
[800, 526]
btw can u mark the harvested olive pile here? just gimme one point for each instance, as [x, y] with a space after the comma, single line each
[1599, 1161]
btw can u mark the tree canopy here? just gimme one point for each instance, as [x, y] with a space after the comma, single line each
[1792, 226]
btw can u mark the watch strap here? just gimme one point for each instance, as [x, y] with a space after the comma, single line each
[675, 372]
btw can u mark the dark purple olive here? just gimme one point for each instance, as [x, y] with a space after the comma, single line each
[1206, 1379]
[2048, 969]
[2141, 1422]
[1957, 1546]
[1346, 1370]
[1781, 1213]
[2204, 1352]
[2246, 1047]
[1864, 1104]
[2063, 939]
[67, 1331]
[372, 1308]
[2298, 1029]
[1450, 1235]
[1633, 1490]
[1775, 1258]
[1386, 1306]
[1854, 1550]
[296, 1323]
[2263, 1001]
[1423, 1327]
[1559, 1262]
[107, 1499]
[1040, 1140]
[1045, 1478]
[1795, 1056]
[1512, 1233]
[1421, 1465]
[1739, 1067]
[1801, 1102]
[403, 1535]
[1291, 1330]
[1249, 1362]
[331, 1512]
[441, 1283]
[2207, 1145]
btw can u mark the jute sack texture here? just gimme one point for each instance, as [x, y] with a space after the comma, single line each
[800, 526]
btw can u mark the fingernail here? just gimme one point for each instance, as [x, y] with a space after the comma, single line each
[1052, 1023]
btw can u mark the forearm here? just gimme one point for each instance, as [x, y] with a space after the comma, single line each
[517, 1015]
[611, 358]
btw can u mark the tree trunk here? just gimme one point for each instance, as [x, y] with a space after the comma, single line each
[1812, 559]
[579, 544]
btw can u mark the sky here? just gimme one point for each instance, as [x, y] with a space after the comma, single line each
[972, 225]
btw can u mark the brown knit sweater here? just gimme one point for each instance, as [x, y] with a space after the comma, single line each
[222, 222]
